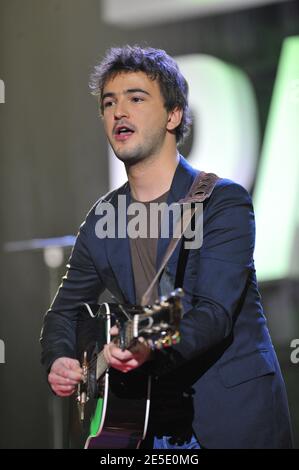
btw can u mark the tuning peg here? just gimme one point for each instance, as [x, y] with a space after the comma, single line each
[162, 298]
[156, 307]
[178, 292]
[163, 301]
[175, 338]
[156, 328]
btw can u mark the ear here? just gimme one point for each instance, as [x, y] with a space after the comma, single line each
[174, 118]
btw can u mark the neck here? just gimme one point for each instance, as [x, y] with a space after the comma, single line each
[153, 176]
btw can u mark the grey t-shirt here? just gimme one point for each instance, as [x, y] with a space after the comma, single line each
[144, 252]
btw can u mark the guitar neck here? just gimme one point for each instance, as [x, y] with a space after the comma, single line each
[102, 365]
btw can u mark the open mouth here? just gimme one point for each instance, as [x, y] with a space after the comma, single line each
[123, 132]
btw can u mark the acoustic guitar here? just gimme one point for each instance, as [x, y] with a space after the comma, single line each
[113, 406]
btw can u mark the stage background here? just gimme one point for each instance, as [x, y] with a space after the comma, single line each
[54, 165]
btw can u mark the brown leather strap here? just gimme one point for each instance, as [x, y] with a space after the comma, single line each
[201, 188]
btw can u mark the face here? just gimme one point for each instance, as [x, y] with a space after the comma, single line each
[135, 119]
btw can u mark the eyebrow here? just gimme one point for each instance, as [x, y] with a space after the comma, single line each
[127, 92]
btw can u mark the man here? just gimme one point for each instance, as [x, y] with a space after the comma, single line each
[221, 386]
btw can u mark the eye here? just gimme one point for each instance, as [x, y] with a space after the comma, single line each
[107, 104]
[136, 99]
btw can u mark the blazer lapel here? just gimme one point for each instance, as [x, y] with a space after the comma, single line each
[182, 180]
[118, 248]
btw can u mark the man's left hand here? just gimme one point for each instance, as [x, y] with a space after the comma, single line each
[126, 360]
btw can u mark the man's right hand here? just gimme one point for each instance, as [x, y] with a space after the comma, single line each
[64, 376]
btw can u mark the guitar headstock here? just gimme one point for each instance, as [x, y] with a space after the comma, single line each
[157, 324]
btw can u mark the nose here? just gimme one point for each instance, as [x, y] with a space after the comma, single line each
[120, 110]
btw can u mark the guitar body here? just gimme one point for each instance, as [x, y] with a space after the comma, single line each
[118, 420]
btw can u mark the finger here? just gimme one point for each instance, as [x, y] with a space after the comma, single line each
[74, 364]
[123, 356]
[109, 350]
[125, 367]
[130, 365]
[61, 393]
[68, 374]
[117, 364]
[65, 388]
[114, 330]
[66, 364]
[113, 352]
[58, 380]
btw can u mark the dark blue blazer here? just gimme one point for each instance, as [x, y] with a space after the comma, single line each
[225, 364]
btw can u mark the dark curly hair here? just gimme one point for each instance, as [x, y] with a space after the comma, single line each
[157, 65]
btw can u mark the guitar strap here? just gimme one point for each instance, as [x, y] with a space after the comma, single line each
[201, 189]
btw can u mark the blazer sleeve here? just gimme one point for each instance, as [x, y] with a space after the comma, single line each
[81, 284]
[224, 264]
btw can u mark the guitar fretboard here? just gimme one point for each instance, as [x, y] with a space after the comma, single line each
[102, 365]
